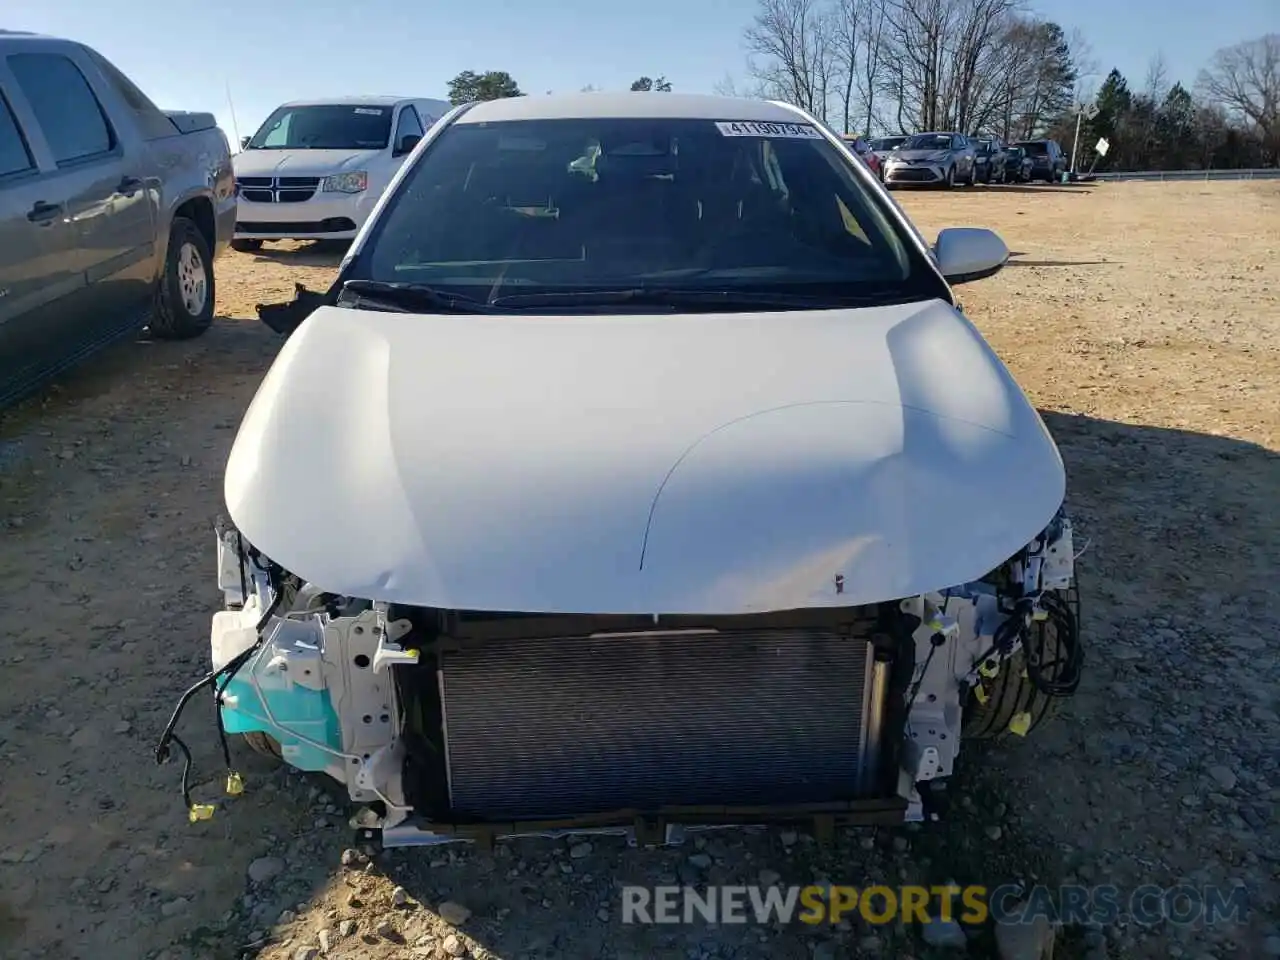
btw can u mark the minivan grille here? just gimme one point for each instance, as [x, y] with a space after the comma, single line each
[277, 189]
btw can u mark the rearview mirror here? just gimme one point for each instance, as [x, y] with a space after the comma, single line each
[965, 254]
[407, 143]
[244, 142]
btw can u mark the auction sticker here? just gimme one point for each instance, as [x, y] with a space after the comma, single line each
[369, 111]
[756, 128]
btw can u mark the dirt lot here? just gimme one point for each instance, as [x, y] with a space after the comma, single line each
[1143, 319]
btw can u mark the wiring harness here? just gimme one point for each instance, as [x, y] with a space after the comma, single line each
[218, 680]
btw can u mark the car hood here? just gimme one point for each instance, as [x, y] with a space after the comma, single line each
[300, 163]
[707, 463]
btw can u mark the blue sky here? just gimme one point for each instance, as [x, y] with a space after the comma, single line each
[184, 53]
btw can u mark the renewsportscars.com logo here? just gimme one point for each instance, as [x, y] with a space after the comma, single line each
[970, 905]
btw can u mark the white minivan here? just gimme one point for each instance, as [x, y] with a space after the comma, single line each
[315, 168]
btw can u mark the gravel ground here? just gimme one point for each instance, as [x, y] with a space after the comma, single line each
[1144, 319]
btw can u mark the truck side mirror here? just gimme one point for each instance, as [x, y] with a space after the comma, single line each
[407, 143]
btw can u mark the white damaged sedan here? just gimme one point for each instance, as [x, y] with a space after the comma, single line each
[639, 473]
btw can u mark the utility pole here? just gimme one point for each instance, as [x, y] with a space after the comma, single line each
[235, 128]
[1083, 110]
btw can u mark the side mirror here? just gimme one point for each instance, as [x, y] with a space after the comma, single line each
[244, 142]
[965, 254]
[407, 143]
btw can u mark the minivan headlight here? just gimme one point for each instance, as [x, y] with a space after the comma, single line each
[355, 182]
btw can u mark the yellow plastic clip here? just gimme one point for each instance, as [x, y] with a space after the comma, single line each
[981, 693]
[1039, 615]
[1020, 724]
[200, 811]
[1024, 674]
[988, 668]
[414, 653]
[235, 784]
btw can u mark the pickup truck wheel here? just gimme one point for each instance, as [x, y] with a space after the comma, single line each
[246, 246]
[184, 308]
[263, 743]
[1011, 692]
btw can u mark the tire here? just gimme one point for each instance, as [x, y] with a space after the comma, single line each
[184, 305]
[951, 178]
[1010, 693]
[263, 743]
[246, 246]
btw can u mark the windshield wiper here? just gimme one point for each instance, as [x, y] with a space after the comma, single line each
[677, 299]
[403, 297]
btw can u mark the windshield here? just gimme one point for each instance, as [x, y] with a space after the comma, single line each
[928, 141]
[325, 127]
[501, 210]
[886, 143]
[1036, 148]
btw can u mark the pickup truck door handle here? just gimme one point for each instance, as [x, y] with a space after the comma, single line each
[128, 186]
[44, 212]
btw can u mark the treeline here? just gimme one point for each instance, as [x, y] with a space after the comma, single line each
[469, 86]
[1170, 128]
[986, 66]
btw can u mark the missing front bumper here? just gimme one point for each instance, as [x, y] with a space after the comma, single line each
[666, 827]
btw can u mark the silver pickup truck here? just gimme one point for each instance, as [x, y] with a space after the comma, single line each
[111, 211]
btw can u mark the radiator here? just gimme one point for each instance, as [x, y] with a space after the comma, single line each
[548, 728]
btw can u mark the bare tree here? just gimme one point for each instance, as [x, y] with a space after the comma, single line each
[789, 53]
[726, 86]
[846, 24]
[1157, 84]
[916, 29]
[871, 50]
[1244, 80]
[977, 26]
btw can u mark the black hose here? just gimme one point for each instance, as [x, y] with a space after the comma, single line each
[1068, 667]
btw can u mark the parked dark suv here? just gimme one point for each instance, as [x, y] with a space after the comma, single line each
[1048, 162]
[989, 159]
[111, 210]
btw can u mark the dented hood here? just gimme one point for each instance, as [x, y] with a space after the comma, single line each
[708, 463]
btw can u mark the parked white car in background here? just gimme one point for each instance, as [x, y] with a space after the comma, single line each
[315, 169]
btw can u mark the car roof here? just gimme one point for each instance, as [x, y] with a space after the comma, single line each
[640, 105]
[369, 101]
[26, 36]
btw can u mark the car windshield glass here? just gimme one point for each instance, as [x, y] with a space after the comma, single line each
[886, 143]
[521, 210]
[325, 127]
[927, 141]
[1035, 149]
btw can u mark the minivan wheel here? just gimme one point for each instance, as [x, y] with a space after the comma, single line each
[184, 306]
